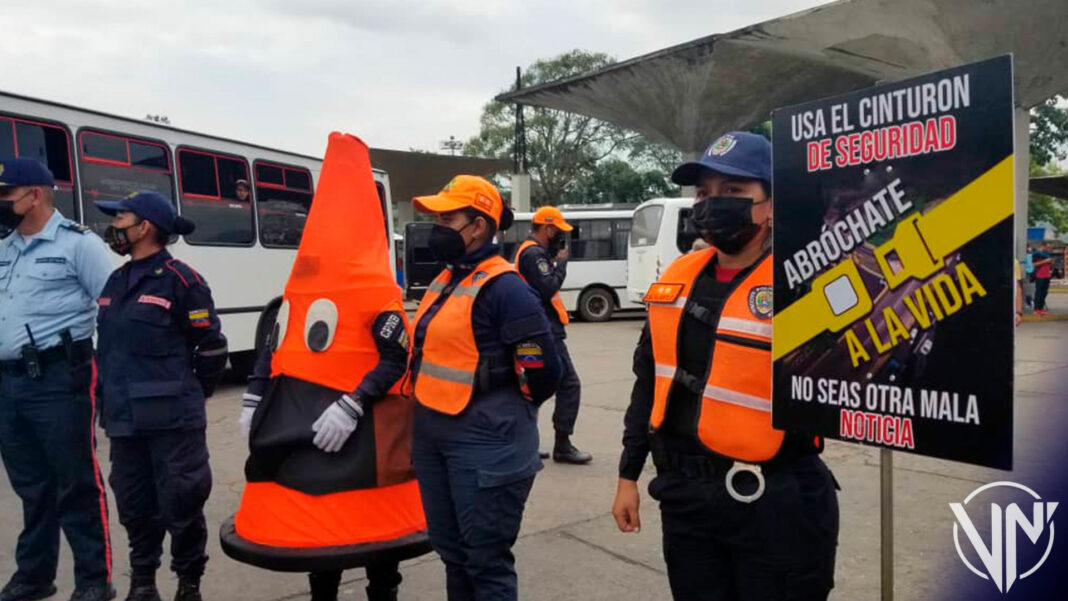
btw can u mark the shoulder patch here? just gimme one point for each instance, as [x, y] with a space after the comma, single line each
[760, 302]
[529, 355]
[74, 226]
[543, 266]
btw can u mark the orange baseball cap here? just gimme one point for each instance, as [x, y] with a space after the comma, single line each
[551, 216]
[464, 191]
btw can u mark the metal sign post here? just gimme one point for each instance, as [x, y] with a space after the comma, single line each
[886, 520]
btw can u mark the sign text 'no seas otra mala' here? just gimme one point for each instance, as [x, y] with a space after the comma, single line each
[304, 509]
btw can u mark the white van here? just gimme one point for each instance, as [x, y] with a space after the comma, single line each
[660, 233]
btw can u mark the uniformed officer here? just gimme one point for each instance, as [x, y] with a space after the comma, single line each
[334, 427]
[161, 354]
[483, 359]
[51, 273]
[748, 512]
[542, 261]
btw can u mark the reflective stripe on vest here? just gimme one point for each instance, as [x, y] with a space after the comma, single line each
[557, 300]
[445, 381]
[734, 418]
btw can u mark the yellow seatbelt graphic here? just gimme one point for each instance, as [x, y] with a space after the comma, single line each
[920, 243]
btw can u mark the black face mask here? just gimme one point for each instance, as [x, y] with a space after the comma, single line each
[9, 219]
[446, 243]
[725, 222]
[118, 239]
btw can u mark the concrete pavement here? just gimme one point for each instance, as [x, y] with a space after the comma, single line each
[569, 547]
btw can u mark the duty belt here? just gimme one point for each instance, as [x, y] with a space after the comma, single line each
[713, 466]
[48, 356]
[920, 244]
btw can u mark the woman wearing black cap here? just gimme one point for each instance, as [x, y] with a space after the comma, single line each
[161, 351]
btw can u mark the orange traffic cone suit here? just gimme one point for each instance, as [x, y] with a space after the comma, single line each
[304, 509]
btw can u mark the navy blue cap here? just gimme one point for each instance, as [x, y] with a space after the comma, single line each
[24, 172]
[148, 205]
[736, 153]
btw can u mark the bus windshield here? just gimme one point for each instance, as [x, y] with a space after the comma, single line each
[646, 225]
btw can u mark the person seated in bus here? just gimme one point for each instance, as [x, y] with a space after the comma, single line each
[241, 190]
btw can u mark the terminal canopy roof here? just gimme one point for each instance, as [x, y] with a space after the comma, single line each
[688, 94]
[1051, 185]
[419, 173]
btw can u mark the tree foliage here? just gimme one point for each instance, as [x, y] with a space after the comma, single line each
[569, 156]
[1046, 209]
[1049, 131]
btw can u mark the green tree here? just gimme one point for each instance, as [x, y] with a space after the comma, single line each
[1049, 131]
[1046, 209]
[564, 149]
[614, 180]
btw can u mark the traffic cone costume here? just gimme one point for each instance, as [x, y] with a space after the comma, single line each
[304, 509]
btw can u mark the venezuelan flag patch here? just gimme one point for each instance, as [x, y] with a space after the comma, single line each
[200, 318]
[529, 356]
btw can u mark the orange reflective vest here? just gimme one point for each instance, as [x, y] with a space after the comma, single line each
[557, 301]
[735, 413]
[446, 378]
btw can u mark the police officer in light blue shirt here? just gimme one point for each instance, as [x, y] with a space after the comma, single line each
[51, 272]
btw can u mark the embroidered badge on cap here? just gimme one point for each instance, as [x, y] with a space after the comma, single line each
[760, 302]
[159, 301]
[529, 356]
[723, 145]
[200, 318]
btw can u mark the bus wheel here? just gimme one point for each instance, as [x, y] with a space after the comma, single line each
[596, 304]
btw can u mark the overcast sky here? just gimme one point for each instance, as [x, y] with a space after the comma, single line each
[286, 72]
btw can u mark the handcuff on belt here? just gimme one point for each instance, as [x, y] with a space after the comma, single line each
[737, 468]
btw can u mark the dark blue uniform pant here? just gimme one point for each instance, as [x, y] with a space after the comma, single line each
[161, 483]
[475, 472]
[568, 393]
[49, 450]
[781, 546]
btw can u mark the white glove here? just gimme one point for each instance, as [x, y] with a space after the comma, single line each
[249, 403]
[337, 423]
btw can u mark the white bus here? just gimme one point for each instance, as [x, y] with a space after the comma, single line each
[243, 249]
[596, 284]
[660, 234]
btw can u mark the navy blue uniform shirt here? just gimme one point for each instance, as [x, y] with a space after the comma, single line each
[506, 314]
[161, 348]
[546, 276]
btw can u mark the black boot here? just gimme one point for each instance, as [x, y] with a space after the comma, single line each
[324, 585]
[188, 589]
[565, 452]
[96, 592]
[21, 591]
[380, 594]
[143, 588]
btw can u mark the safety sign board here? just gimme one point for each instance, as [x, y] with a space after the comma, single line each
[894, 276]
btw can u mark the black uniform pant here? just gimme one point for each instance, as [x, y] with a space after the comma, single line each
[781, 546]
[382, 579]
[568, 393]
[1041, 291]
[161, 483]
[49, 450]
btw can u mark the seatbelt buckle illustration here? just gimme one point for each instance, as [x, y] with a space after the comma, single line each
[837, 299]
[910, 248]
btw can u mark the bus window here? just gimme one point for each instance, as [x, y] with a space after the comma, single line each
[620, 236]
[208, 189]
[283, 199]
[49, 144]
[115, 165]
[511, 238]
[646, 225]
[382, 204]
[591, 240]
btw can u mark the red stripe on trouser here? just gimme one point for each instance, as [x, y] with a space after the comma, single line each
[96, 470]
